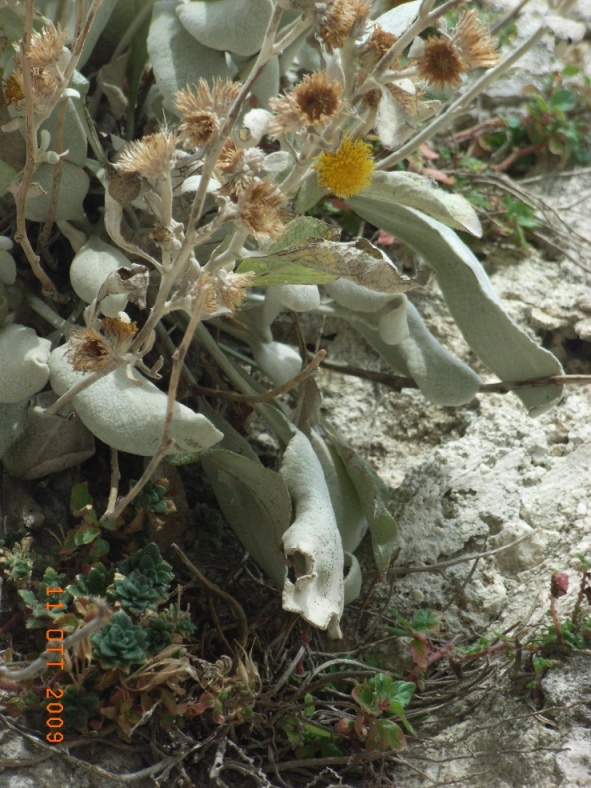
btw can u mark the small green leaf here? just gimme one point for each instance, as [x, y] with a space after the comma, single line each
[86, 534]
[425, 621]
[80, 498]
[563, 99]
[385, 735]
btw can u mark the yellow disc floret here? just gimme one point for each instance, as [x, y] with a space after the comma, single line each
[347, 171]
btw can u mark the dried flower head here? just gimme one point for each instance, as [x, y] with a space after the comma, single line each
[231, 289]
[347, 171]
[339, 20]
[47, 46]
[447, 58]
[260, 209]
[226, 290]
[203, 109]
[90, 351]
[441, 64]
[13, 88]
[313, 102]
[237, 167]
[231, 159]
[376, 47]
[475, 45]
[317, 98]
[43, 85]
[118, 332]
[150, 156]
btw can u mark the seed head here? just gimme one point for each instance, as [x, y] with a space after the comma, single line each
[475, 45]
[341, 19]
[47, 46]
[203, 110]
[90, 351]
[150, 156]
[376, 47]
[441, 64]
[260, 209]
[312, 103]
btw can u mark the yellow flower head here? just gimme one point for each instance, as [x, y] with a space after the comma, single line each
[348, 171]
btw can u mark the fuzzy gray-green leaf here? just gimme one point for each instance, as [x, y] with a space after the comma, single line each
[495, 338]
[256, 503]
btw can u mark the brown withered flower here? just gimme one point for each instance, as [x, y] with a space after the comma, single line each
[339, 20]
[90, 350]
[442, 64]
[475, 45]
[150, 156]
[13, 89]
[312, 102]
[260, 210]
[447, 58]
[376, 47]
[204, 109]
[226, 290]
[43, 86]
[237, 168]
[47, 46]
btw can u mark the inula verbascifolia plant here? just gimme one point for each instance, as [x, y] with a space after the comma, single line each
[212, 166]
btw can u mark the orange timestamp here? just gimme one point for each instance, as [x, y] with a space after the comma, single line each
[55, 643]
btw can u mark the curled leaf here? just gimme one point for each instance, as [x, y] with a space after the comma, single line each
[312, 544]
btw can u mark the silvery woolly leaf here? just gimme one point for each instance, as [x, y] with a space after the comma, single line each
[13, 417]
[48, 443]
[74, 136]
[127, 412]
[24, 360]
[99, 22]
[357, 260]
[357, 297]
[176, 57]
[278, 361]
[373, 497]
[110, 78]
[397, 20]
[74, 186]
[416, 191]
[255, 502]
[312, 544]
[442, 378]
[351, 519]
[7, 268]
[7, 175]
[266, 85]
[353, 581]
[500, 344]
[298, 298]
[278, 161]
[226, 25]
[309, 193]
